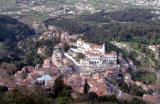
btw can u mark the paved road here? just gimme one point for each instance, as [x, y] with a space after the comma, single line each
[71, 58]
[119, 94]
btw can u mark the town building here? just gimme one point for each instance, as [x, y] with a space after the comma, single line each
[47, 63]
[101, 59]
[95, 55]
[156, 50]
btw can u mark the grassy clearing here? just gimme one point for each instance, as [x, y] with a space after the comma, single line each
[145, 77]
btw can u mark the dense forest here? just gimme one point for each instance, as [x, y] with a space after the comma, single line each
[13, 30]
[120, 26]
[128, 15]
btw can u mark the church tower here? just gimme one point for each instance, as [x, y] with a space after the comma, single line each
[103, 48]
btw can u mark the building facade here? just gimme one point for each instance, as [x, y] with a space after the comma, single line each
[101, 59]
[95, 54]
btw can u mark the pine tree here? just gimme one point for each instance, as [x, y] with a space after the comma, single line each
[86, 87]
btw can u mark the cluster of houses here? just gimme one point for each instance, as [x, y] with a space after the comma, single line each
[99, 81]
[152, 3]
[96, 82]
[59, 64]
[53, 32]
[84, 6]
[30, 76]
[156, 50]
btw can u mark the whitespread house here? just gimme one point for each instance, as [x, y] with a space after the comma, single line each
[95, 55]
[101, 59]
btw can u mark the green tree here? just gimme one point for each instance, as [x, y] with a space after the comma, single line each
[3, 89]
[63, 100]
[58, 86]
[137, 101]
[111, 98]
[92, 96]
[9, 67]
[24, 100]
[86, 87]
[66, 47]
[66, 91]
[81, 56]
[25, 96]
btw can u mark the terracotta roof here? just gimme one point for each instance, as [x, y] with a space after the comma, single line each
[151, 98]
[94, 53]
[96, 46]
[8, 81]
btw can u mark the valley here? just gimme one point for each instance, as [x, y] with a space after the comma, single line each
[79, 51]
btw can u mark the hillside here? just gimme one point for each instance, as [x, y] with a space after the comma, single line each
[12, 32]
[115, 4]
[15, 30]
[101, 4]
[97, 4]
[7, 3]
[121, 26]
[135, 26]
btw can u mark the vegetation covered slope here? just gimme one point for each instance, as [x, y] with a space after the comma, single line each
[7, 3]
[134, 26]
[114, 4]
[120, 26]
[13, 30]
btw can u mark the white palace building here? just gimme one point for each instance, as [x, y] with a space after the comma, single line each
[95, 55]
